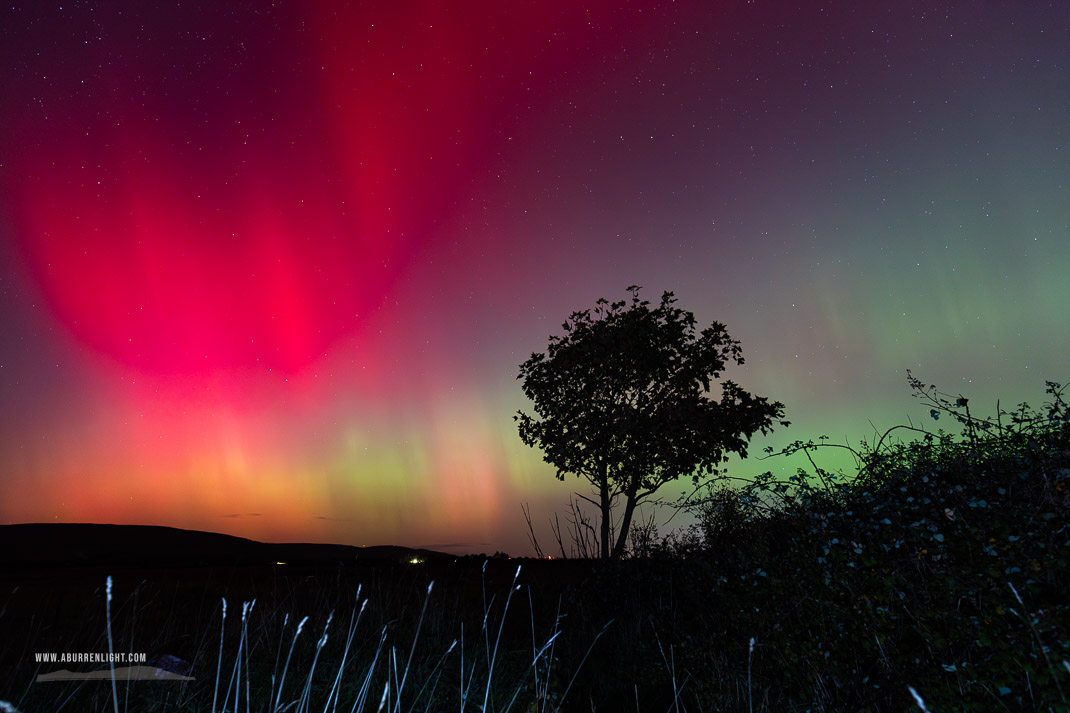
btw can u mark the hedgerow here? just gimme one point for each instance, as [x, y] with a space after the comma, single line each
[941, 566]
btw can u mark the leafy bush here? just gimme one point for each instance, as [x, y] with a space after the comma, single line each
[942, 566]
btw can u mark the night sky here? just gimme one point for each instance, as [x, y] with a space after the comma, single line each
[270, 268]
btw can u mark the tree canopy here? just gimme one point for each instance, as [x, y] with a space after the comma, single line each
[623, 400]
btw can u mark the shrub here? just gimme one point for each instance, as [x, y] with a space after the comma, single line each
[943, 566]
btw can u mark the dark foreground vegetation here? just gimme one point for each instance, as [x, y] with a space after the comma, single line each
[938, 573]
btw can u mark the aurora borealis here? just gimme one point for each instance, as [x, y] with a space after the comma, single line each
[270, 268]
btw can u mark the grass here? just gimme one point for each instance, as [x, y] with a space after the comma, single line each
[264, 658]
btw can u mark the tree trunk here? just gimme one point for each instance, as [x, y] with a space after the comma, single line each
[625, 526]
[603, 488]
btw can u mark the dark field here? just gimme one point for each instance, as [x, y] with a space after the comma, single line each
[174, 615]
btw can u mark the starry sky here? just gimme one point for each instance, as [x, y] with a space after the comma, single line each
[270, 268]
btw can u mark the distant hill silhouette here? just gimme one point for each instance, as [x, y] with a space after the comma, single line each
[76, 544]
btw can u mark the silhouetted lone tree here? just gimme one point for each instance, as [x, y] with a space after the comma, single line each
[623, 400]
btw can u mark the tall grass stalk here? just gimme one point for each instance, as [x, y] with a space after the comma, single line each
[434, 676]
[412, 649]
[362, 696]
[918, 699]
[245, 638]
[670, 665]
[286, 666]
[497, 640]
[534, 664]
[466, 688]
[750, 690]
[394, 671]
[111, 647]
[588, 653]
[278, 656]
[306, 691]
[547, 652]
[235, 675]
[534, 646]
[219, 661]
[354, 619]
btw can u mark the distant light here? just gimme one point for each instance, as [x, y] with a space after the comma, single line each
[280, 563]
[416, 560]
